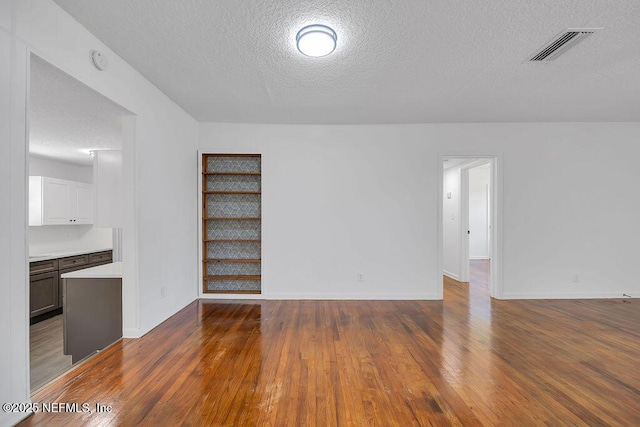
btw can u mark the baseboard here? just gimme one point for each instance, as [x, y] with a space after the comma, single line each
[231, 296]
[317, 296]
[479, 257]
[131, 333]
[357, 297]
[139, 332]
[561, 295]
[13, 418]
[451, 275]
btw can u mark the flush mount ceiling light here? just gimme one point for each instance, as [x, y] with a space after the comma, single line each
[316, 40]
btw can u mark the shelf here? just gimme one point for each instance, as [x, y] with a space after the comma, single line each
[237, 218]
[238, 175]
[209, 291]
[232, 240]
[234, 277]
[233, 155]
[230, 192]
[234, 173]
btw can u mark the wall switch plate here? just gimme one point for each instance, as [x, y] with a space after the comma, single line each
[576, 278]
[162, 292]
[360, 277]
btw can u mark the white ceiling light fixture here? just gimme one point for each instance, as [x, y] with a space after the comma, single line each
[316, 40]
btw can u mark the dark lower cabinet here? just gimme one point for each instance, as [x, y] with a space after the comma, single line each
[45, 285]
[44, 293]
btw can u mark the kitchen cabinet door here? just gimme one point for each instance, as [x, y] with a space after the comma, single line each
[43, 293]
[55, 201]
[81, 203]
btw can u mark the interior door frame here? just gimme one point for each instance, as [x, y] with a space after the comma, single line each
[129, 230]
[465, 275]
[496, 211]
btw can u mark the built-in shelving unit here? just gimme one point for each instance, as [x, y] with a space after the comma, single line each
[231, 223]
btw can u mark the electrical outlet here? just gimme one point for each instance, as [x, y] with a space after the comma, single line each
[162, 292]
[360, 277]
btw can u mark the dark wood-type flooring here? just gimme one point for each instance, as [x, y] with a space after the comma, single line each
[467, 360]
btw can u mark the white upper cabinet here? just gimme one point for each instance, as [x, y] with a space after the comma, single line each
[81, 203]
[55, 201]
[55, 204]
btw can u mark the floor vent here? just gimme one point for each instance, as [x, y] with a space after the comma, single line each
[561, 44]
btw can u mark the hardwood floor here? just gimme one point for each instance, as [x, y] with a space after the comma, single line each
[45, 349]
[467, 360]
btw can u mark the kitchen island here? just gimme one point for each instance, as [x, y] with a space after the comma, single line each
[92, 309]
[45, 281]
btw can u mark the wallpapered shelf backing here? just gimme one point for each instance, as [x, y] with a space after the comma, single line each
[231, 223]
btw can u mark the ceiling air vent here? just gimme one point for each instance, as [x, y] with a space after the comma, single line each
[562, 43]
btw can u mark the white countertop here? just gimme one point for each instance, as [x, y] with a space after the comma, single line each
[106, 271]
[64, 254]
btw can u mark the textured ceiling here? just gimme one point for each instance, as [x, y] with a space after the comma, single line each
[397, 61]
[67, 119]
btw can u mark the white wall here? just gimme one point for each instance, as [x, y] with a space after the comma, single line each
[159, 167]
[107, 172]
[56, 238]
[479, 179]
[14, 358]
[451, 223]
[344, 199]
[160, 176]
[39, 166]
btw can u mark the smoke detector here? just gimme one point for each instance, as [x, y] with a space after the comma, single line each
[99, 60]
[560, 44]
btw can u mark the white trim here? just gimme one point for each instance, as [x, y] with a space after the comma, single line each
[463, 224]
[451, 275]
[561, 295]
[479, 257]
[353, 297]
[497, 226]
[232, 296]
[15, 126]
[497, 185]
[130, 273]
[319, 296]
[131, 333]
[13, 418]
[440, 218]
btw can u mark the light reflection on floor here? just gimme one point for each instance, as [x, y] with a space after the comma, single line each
[467, 324]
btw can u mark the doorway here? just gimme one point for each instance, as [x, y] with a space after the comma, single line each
[470, 221]
[70, 127]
